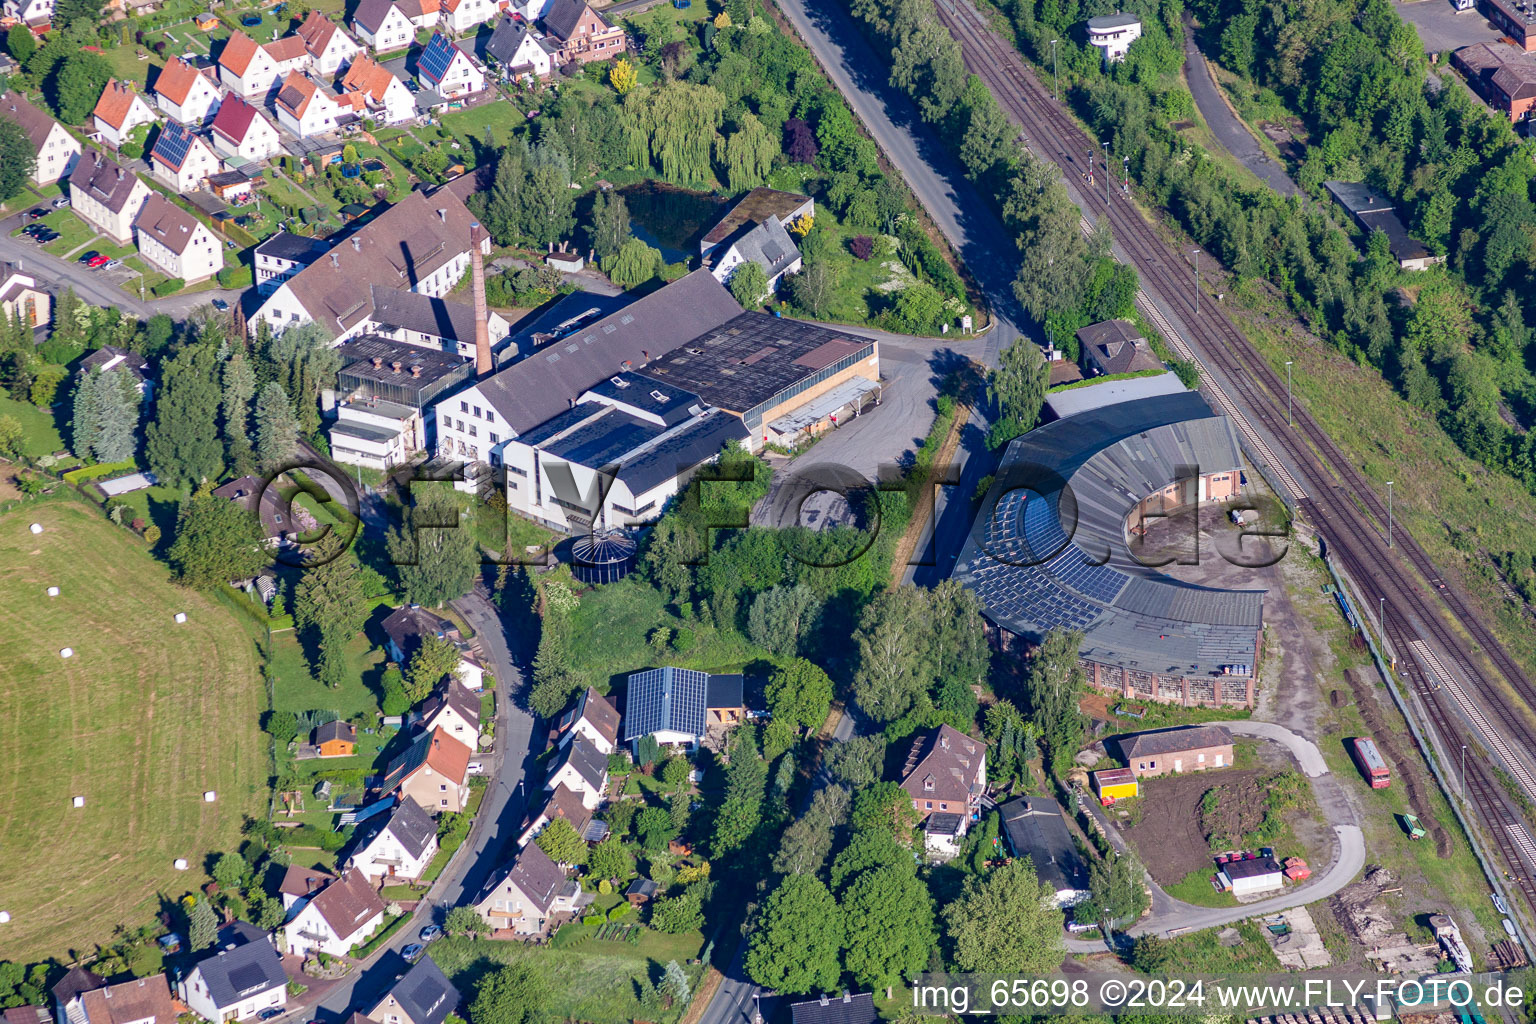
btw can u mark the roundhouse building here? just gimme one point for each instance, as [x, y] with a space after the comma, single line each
[1049, 550]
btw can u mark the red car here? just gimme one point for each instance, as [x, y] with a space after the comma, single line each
[99, 261]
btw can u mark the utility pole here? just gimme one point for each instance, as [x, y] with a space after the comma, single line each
[1389, 513]
[1106, 174]
[1288, 420]
[1055, 79]
[1197, 282]
[1463, 787]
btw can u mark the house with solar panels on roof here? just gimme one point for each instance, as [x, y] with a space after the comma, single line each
[240, 978]
[1049, 549]
[448, 70]
[182, 160]
[679, 706]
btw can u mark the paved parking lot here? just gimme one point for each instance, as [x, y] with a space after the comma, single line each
[1441, 27]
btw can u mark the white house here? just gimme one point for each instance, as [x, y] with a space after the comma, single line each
[385, 96]
[252, 70]
[106, 196]
[383, 26]
[529, 895]
[562, 803]
[521, 50]
[531, 10]
[174, 242]
[307, 108]
[341, 915]
[423, 13]
[583, 769]
[592, 718]
[1113, 34]
[282, 256]
[462, 16]
[421, 244]
[677, 706]
[57, 150]
[29, 12]
[119, 111]
[765, 243]
[242, 134]
[183, 160]
[455, 709]
[448, 70]
[329, 47]
[401, 848]
[242, 977]
[185, 94]
[1250, 877]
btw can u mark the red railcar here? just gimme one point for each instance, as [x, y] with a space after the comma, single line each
[1371, 764]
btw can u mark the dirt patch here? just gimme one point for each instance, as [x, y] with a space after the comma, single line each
[1406, 769]
[1336, 698]
[1169, 837]
[1231, 810]
[8, 488]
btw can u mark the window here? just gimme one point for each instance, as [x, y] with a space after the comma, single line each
[443, 803]
[1151, 764]
[461, 424]
[515, 471]
[447, 421]
[495, 437]
[1142, 765]
[943, 806]
[928, 805]
[463, 407]
[928, 785]
[477, 412]
[472, 432]
[442, 788]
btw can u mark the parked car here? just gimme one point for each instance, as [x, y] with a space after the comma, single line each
[476, 768]
[45, 236]
[429, 933]
[112, 264]
[60, 202]
[220, 305]
[87, 256]
[269, 1013]
[99, 261]
[32, 230]
[36, 212]
[413, 952]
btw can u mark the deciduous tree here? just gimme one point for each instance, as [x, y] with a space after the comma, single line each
[559, 840]
[435, 556]
[795, 947]
[890, 912]
[216, 541]
[893, 672]
[18, 158]
[800, 693]
[511, 995]
[1006, 923]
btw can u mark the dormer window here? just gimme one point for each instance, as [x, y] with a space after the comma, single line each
[928, 784]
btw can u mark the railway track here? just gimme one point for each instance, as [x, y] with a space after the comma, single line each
[1334, 496]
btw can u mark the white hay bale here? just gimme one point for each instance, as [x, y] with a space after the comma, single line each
[53, 591]
[5, 917]
[181, 616]
[66, 652]
[181, 863]
[36, 528]
[209, 796]
[79, 801]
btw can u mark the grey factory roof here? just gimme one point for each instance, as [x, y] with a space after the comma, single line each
[1033, 827]
[753, 357]
[681, 452]
[413, 311]
[370, 362]
[536, 388]
[1084, 474]
[1373, 211]
[647, 396]
[568, 315]
[241, 967]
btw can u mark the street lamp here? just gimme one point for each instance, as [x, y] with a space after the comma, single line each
[1389, 513]
[1289, 422]
[1055, 80]
[1463, 787]
[757, 1010]
[1197, 282]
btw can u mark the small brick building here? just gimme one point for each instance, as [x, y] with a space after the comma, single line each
[1187, 749]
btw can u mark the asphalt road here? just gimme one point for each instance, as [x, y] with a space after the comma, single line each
[1228, 128]
[496, 826]
[1171, 915]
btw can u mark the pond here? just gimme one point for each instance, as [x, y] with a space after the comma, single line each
[670, 218]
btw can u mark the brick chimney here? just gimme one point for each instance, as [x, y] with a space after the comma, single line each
[483, 364]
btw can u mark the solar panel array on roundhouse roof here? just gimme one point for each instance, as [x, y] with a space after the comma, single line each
[666, 700]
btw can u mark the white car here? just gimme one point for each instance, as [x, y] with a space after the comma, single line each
[476, 768]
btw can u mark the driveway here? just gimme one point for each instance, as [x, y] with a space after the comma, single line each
[1225, 125]
[1441, 27]
[1170, 916]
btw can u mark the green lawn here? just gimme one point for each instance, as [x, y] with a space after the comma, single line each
[1203, 953]
[593, 982]
[72, 230]
[295, 689]
[145, 717]
[39, 429]
[495, 120]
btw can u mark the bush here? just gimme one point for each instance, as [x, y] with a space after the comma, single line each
[170, 286]
[60, 353]
[235, 277]
[619, 911]
[862, 246]
[151, 535]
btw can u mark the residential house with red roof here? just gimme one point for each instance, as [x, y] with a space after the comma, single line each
[106, 196]
[185, 93]
[433, 771]
[383, 25]
[242, 134]
[57, 150]
[342, 914]
[174, 242]
[328, 46]
[252, 70]
[306, 108]
[84, 998]
[583, 34]
[385, 97]
[119, 111]
[183, 160]
[462, 16]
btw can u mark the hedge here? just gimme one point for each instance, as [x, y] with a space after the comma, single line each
[235, 277]
[169, 286]
[84, 473]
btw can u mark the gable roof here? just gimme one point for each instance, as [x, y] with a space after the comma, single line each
[767, 244]
[167, 223]
[412, 827]
[348, 903]
[316, 31]
[241, 968]
[437, 57]
[76, 981]
[370, 14]
[949, 759]
[144, 998]
[297, 91]
[104, 181]
[403, 245]
[234, 119]
[564, 15]
[369, 77]
[507, 38]
[848, 1008]
[176, 80]
[335, 730]
[110, 357]
[408, 624]
[539, 387]
[238, 53]
[436, 750]
[536, 876]
[174, 144]
[565, 803]
[301, 881]
[590, 763]
[423, 314]
[1119, 347]
[116, 100]
[425, 994]
[453, 693]
[288, 48]
[1033, 827]
[33, 121]
[597, 710]
[1172, 741]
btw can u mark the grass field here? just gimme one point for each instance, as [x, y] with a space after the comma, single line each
[143, 718]
[39, 430]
